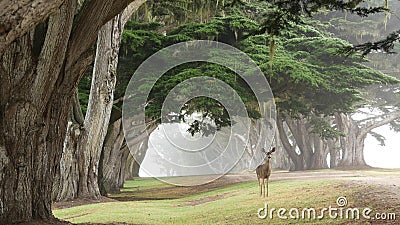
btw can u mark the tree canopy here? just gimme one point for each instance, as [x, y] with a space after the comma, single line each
[307, 73]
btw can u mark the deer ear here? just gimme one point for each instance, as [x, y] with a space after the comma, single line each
[273, 149]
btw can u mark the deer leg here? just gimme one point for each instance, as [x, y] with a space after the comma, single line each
[264, 187]
[260, 184]
[267, 187]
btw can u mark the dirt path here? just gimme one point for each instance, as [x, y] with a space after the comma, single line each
[388, 183]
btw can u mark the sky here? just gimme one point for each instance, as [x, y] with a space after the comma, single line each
[387, 156]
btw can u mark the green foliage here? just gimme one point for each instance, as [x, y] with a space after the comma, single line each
[209, 108]
[324, 129]
[175, 12]
[146, 41]
[310, 76]
[228, 29]
[84, 91]
[287, 13]
[380, 138]
[379, 97]
[133, 25]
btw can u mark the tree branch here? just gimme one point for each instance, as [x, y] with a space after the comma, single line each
[84, 33]
[130, 7]
[76, 109]
[290, 149]
[19, 17]
[372, 125]
[54, 48]
[93, 16]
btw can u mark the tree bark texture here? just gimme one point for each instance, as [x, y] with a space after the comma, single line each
[319, 156]
[352, 144]
[290, 148]
[99, 108]
[111, 160]
[281, 159]
[90, 142]
[34, 117]
[19, 17]
[307, 150]
[65, 186]
[346, 151]
[132, 168]
[39, 72]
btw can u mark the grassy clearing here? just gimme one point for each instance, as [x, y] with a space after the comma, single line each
[137, 186]
[235, 204]
[143, 184]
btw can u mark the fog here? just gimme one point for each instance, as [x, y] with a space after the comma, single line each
[387, 156]
[174, 152]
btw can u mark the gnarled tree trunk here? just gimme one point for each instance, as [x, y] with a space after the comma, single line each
[65, 186]
[334, 153]
[132, 168]
[307, 150]
[18, 17]
[122, 168]
[111, 159]
[290, 149]
[300, 131]
[281, 159]
[259, 137]
[98, 110]
[137, 152]
[94, 127]
[320, 153]
[352, 144]
[34, 106]
[39, 72]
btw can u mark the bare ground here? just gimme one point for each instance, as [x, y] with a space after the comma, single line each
[80, 201]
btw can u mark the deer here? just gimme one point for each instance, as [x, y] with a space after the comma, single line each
[264, 171]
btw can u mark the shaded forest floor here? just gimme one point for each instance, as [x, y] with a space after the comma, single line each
[234, 199]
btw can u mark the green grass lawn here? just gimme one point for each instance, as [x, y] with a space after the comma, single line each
[144, 184]
[235, 204]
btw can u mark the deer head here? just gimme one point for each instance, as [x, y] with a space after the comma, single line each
[269, 152]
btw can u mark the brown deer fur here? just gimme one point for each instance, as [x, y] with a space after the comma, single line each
[263, 172]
